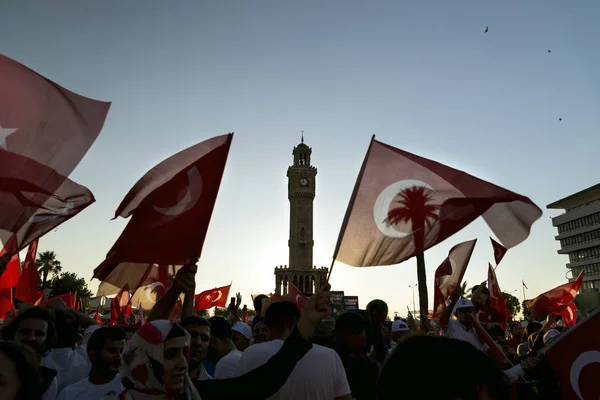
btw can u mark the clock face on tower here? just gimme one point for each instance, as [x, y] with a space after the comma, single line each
[303, 181]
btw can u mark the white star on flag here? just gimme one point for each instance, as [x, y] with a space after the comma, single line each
[4, 133]
[208, 297]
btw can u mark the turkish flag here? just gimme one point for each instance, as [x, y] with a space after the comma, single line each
[497, 301]
[170, 210]
[51, 129]
[554, 300]
[97, 315]
[448, 277]
[67, 298]
[499, 251]
[403, 204]
[27, 288]
[154, 287]
[10, 276]
[216, 297]
[34, 199]
[6, 303]
[120, 304]
[297, 296]
[575, 357]
[569, 315]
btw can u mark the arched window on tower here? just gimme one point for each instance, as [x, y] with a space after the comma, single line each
[313, 284]
[285, 285]
[295, 281]
[307, 284]
[302, 236]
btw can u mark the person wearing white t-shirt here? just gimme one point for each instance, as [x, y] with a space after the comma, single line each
[69, 360]
[240, 336]
[318, 375]
[461, 328]
[104, 349]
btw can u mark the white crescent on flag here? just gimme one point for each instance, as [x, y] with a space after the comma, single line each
[586, 358]
[190, 198]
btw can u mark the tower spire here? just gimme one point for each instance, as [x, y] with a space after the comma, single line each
[302, 136]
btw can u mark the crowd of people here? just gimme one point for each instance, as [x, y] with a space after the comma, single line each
[53, 352]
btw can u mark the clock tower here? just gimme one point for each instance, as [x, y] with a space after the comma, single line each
[301, 193]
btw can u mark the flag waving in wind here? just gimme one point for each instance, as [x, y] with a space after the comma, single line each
[208, 299]
[27, 288]
[45, 130]
[555, 300]
[170, 209]
[497, 301]
[297, 296]
[448, 278]
[403, 204]
[499, 251]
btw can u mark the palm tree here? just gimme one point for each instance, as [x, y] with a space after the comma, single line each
[47, 264]
[463, 292]
[415, 206]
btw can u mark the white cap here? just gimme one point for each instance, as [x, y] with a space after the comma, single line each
[551, 334]
[242, 328]
[400, 326]
[463, 303]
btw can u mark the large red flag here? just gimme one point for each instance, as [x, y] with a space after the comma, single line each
[27, 288]
[403, 204]
[170, 210]
[448, 278]
[10, 276]
[554, 300]
[569, 315]
[575, 357]
[499, 251]
[297, 296]
[120, 304]
[216, 297]
[46, 126]
[6, 302]
[97, 315]
[154, 287]
[497, 301]
[67, 298]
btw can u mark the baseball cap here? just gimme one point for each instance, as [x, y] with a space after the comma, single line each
[551, 334]
[463, 303]
[400, 326]
[243, 328]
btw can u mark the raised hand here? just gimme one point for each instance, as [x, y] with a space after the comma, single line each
[185, 278]
[238, 300]
[317, 308]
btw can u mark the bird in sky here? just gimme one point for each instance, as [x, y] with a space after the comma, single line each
[549, 51]
[486, 30]
[560, 119]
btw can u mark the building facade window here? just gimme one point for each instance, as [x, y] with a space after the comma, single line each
[579, 223]
[591, 269]
[589, 285]
[585, 254]
[580, 239]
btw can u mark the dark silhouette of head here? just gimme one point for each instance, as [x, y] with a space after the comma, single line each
[280, 318]
[417, 358]
[34, 327]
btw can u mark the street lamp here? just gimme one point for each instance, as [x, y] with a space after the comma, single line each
[413, 290]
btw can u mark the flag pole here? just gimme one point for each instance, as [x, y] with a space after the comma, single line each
[523, 290]
[350, 206]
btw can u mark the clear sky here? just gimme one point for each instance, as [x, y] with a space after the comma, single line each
[422, 76]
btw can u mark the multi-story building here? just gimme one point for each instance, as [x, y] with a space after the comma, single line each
[579, 234]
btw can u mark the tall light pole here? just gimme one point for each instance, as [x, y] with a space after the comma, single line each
[413, 289]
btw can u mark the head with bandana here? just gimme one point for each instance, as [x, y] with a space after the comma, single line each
[155, 363]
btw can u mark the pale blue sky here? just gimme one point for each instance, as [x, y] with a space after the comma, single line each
[422, 76]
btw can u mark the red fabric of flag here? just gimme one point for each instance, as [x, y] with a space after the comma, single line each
[524, 285]
[448, 278]
[50, 129]
[499, 251]
[575, 358]
[297, 296]
[216, 297]
[27, 288]
[154, 287]
[554, 300]
[120, 306]
[67, 298]
[497, 301]
[6, 302]
[10, 277]
[97, 315]
[403, 204]
[494, 351]
[569, 315]
[170, 209]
